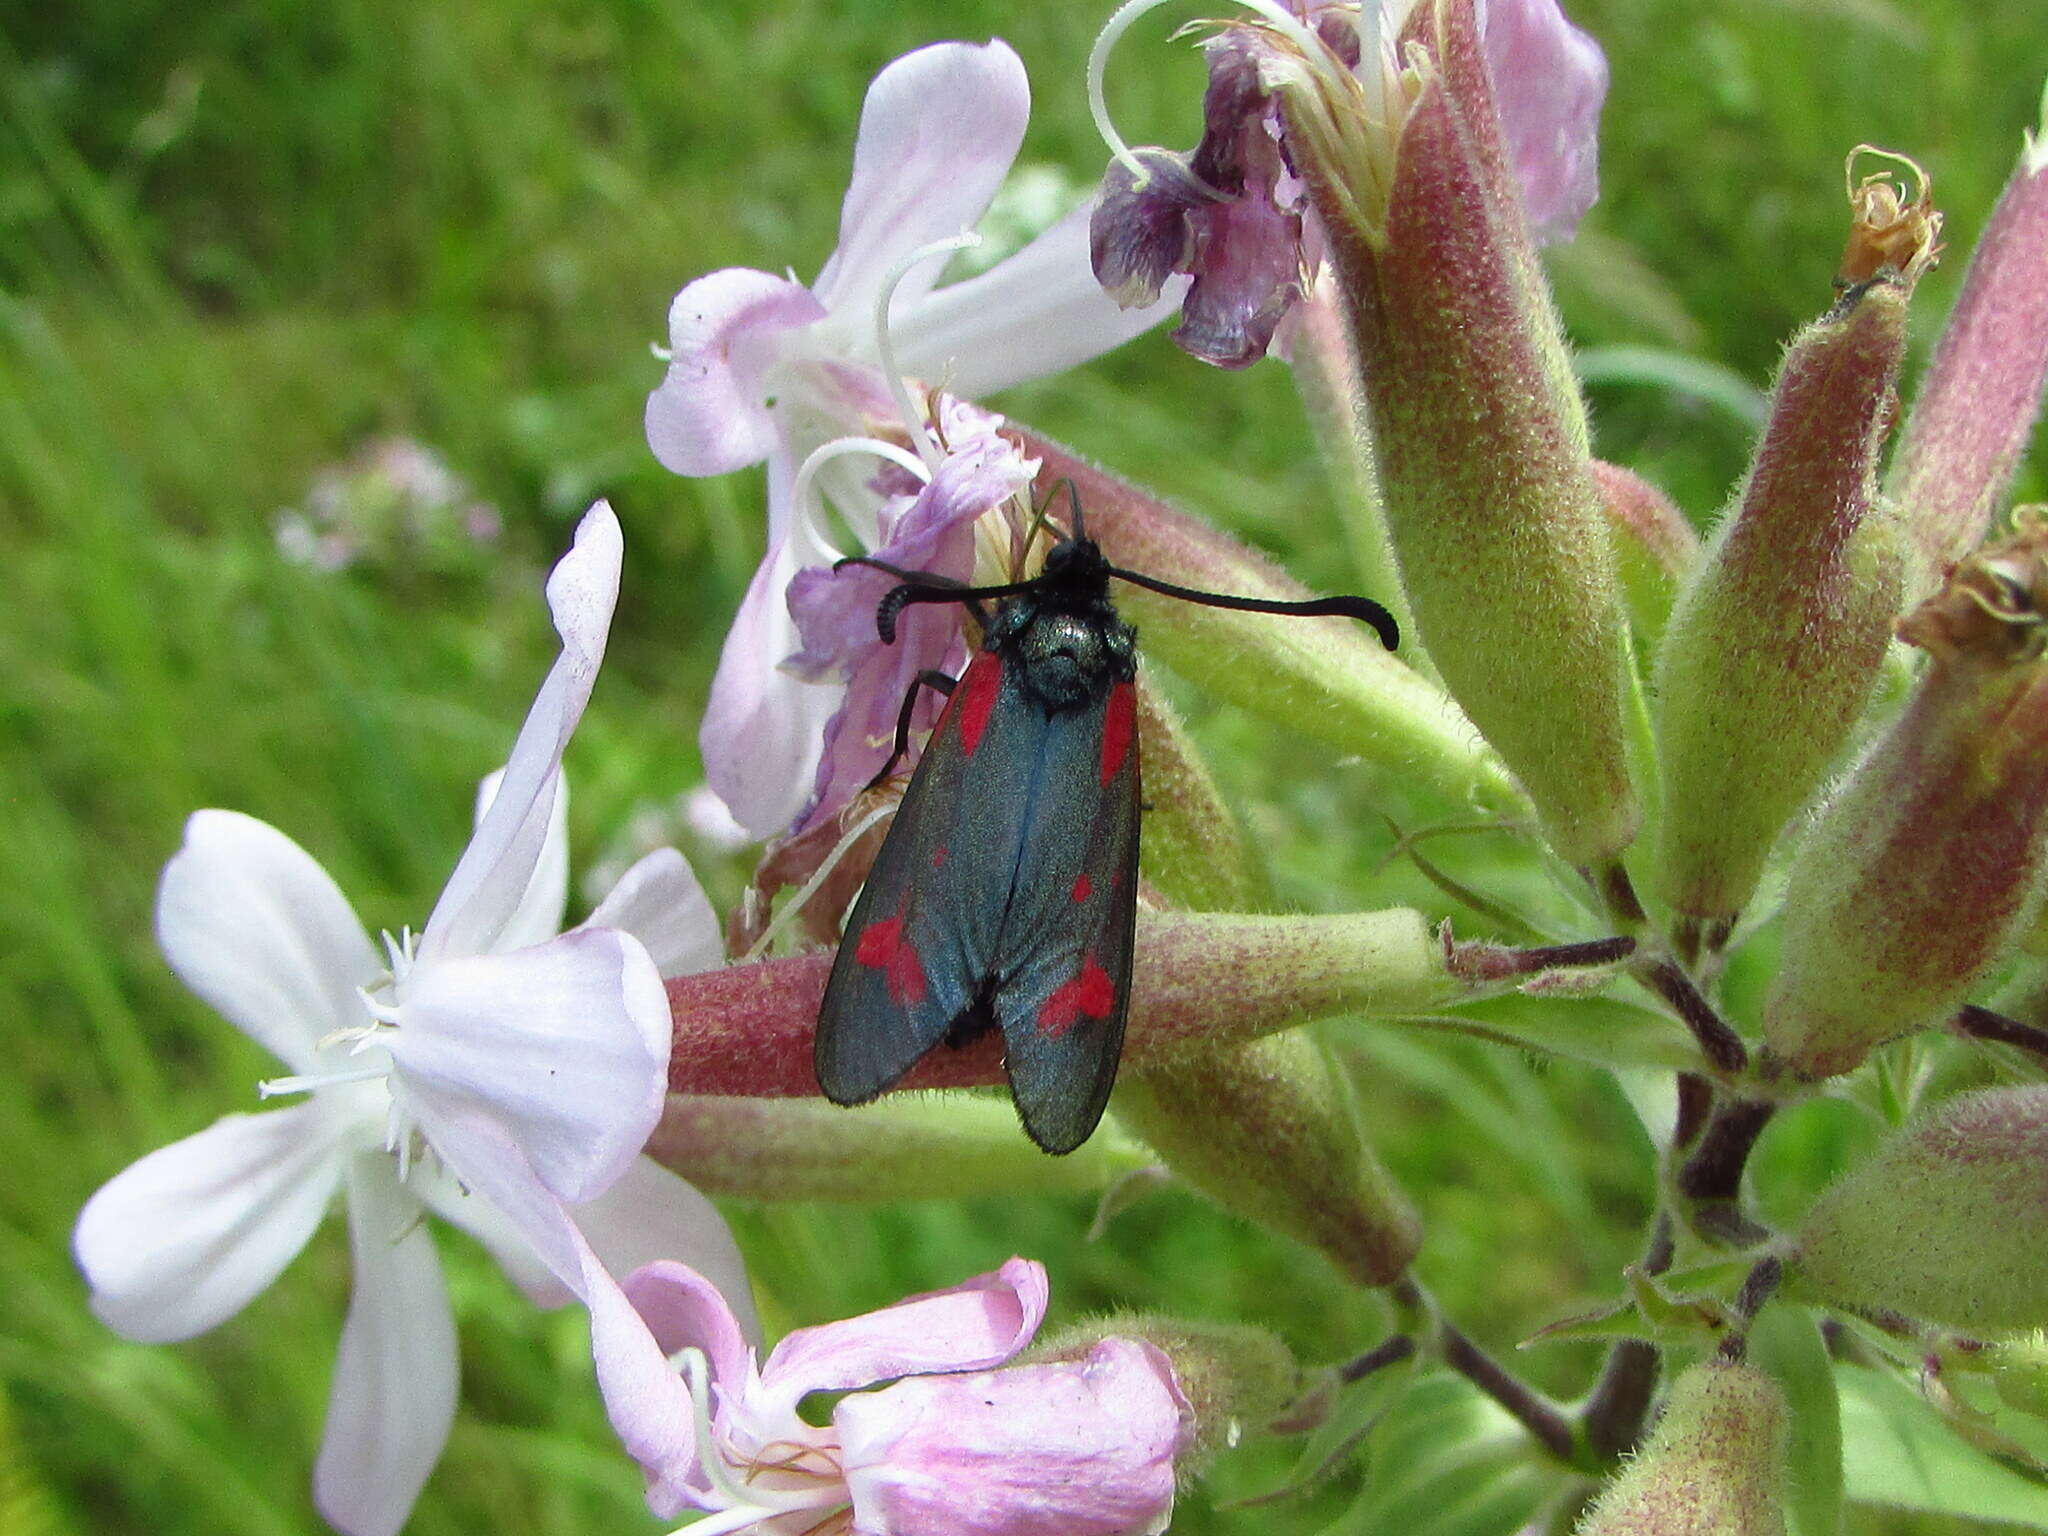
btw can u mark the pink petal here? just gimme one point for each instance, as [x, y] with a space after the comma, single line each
[252, 924]
[1549, 80]
[763, 729]
[1071, 1449]
[565, 1044]
[684, 1310]
[188, 1236]
[1036, 314]
[659, 902]
[937, 135]
[709, 414]
[393, 1398]
[649, 1215]
[496, 868]
[538, 916]
[980, 1322]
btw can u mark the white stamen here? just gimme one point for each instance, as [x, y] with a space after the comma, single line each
[757, 1503]
[818, 551]
[795, 904]
[311, 1082]
[885, 350]
[1283, 21]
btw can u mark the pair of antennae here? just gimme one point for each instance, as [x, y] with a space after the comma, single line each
[928, 587]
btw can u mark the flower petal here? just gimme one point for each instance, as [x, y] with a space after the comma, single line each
[566, 1044]
[938, 132]
[393, 1398]
[978, 1323]
[538, 917]
[495, 869]
[710, 414]
[659, 902]
[684, 1310]
[763, 729]
[652, 1214]
[185, 1238]
[1549, 80]
[460, 1206]
[1038, 313]
[1077, 1448]
[252, 924]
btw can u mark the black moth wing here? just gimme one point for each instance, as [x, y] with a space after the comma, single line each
[1063, 964]
[923, 935]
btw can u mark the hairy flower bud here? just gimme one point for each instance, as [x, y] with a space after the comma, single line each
[2019, 1370]
[1946, 1222]
[1715, 1465]
[1981, 394]
[1271, 1132]
[1927, 865]
[1773, 647]
[1477, 428]
[1654, 546]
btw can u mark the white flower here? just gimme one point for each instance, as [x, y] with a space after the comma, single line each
[489, 1072]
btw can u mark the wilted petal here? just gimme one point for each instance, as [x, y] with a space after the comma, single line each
[651, 1214]
[495, 870]
[978, 1323]
[1139, 234]
[565, 1043]
[1549, 81]
[710, 412]
[1247, 275]
[538, 917]
[937, 134]
[185, 1238]
[659, 902]
[1079, 1448]
[1036, 314]
[393, 1398]
[252, 924]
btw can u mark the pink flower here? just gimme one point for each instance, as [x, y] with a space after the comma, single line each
[761, 367]
[962, 1443]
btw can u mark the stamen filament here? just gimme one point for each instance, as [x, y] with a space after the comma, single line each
[818, 458]
[308, 1082]
[795, 904]
[759, 1502]
[886, 350]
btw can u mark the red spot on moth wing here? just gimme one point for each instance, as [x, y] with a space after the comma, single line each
[1119, 729]
[882, 947]
[1091, 993]
[939, 857]
[1082, 886]
[978, 690]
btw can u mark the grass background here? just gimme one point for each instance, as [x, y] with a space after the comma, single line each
[237, 241]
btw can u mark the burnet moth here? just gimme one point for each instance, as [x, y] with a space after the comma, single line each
[1005, 894]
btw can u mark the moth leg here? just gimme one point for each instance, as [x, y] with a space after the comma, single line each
[940, 684]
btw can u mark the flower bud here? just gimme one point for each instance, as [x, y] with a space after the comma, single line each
[1981, 394]
[1330, 678]
[1194, 851]
[1927, 865]
[1715, 1465]
[1946, 1222]
[1235, 1378]
[1270, 1131]
[1477, 429]
[1654, 546]
[2019, 1370]
[1774, 645]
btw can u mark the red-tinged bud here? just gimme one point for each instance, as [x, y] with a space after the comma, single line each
[1946, 1222]
[1655, 548]
[1270, 1131]
[910, 1148]
[1236, 1378]
[1477, 429]
[1926, 867]
[1329, 678]
[1194, 851]
[1980, 397]
[1715, 1465]
[1774, 645]
[1199, 978]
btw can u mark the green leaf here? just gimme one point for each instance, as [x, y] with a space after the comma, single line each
[1896, 1450]
[1358, 1411]
[1785, 1340]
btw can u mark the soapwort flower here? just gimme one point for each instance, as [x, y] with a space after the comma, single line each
[486, 1070]
[762, 367]
[963, 1443]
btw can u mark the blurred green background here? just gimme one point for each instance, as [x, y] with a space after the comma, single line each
[246, 247]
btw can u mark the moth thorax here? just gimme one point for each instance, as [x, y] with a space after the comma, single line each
[1065, 659]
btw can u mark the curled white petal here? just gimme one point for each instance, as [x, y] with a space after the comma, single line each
[659, 902]
[495, 870]
[188, 1236]
[252, 924]
[538, 916]
[565, 1044]
[393, 1399]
